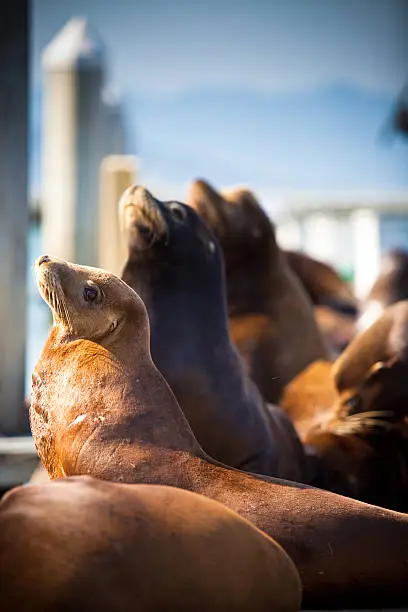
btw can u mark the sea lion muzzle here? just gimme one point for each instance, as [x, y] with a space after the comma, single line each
[142, 219]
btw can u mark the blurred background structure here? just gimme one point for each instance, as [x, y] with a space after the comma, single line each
[13, 214]
[302, 100]
[82, 124]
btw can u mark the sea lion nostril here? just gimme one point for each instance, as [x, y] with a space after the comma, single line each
[43, 259]
[145, 230]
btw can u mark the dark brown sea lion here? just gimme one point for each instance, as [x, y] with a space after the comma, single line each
[390, 286]
[335, 306]
[270, 316]
[91, 415]
[175, 265]
[361, 432]
[81, 544]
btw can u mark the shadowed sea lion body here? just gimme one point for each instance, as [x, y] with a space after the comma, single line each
[270, 316]
[335, 307]
[175, 266]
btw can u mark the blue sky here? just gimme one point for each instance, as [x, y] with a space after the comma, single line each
[277, 94]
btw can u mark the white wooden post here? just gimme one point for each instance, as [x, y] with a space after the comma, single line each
[74, 142]
[117, 173]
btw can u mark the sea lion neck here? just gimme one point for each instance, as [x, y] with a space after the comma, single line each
[199, 318]
[251, 277]
[169, 298]
[90, 386]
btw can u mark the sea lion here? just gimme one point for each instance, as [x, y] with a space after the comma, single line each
[390, 286]
[360, 412]
[335, 307]
[175, 265]
[91, 415]
[82, 544]
[270, 316]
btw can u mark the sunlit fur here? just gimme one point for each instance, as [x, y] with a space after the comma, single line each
[84, 544]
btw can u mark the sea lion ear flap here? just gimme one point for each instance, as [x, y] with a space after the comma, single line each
[256, 220]
[376, 370]
[379, 371]
[201, 193]
[243, 197]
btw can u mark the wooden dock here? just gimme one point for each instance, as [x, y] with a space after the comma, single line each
[18, 460]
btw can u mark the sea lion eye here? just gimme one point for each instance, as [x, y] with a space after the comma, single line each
[178, 211]
[90, 293]
[353, 404]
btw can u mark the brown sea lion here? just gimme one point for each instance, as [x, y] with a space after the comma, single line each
[390, 286]
[91, 415]
[310, 396]
[81, 544]
[175, 265]
[335, 307]
[270, 316]
[360, 415]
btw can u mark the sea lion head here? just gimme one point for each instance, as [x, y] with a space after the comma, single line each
[168, 235]
[371, 375]
[235, 216]
[391, 286]
[392, 283]
[248, 242]
[87, 303]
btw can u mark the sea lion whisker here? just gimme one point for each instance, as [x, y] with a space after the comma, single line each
[364, 425]
[372, 423]
[60, 304]
[369, 413]
[63, 301]
[59, 294]
[54, 300]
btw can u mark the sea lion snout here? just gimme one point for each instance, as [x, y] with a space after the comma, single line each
[43, 259]
[141, 217]
[87, 302]
[47, 270]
